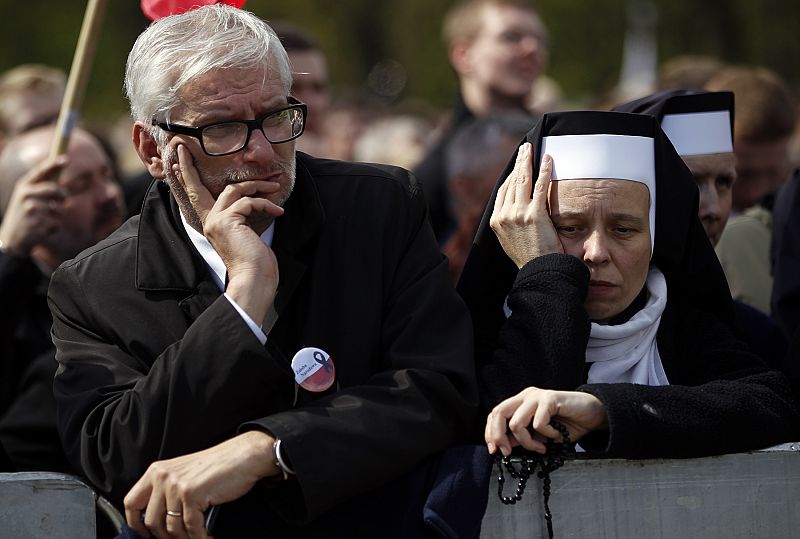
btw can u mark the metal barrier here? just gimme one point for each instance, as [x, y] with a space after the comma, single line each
[743, 495]
[43, 504]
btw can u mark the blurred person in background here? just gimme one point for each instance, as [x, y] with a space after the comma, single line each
[474, 161]
[347, 119]
[785, 249]
[498, 49]
[687, 71]
[394, 139]
[764, 123]
[310, 84]
[30, 96]
[785, 258]
[52, 211]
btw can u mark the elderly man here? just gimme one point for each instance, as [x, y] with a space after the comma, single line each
[700, 126]
[497, 48]
[52, 211]
[269, 320]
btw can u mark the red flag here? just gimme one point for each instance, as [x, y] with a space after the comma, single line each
[156, 9]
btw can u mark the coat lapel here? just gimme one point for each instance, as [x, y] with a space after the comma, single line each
[165, 258]
[166, 261]
[295, 233]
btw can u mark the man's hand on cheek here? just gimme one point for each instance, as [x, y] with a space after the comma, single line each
[251, 265]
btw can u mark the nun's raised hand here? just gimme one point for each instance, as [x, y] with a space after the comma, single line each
[520, 220]
[524, 419]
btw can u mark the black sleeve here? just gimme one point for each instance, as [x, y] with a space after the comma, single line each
[118, 413]
[543, 342]
[18, 280]
[785, 252]
[721, 399]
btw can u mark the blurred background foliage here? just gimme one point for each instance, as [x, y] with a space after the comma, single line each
[370, 42]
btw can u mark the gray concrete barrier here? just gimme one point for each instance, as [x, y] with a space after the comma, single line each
[743, 495]
[43, 505]
[746, 495]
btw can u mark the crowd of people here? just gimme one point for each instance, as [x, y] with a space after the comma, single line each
[273, 325]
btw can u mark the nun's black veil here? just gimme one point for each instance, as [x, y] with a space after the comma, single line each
[682, 250]
[662, 103]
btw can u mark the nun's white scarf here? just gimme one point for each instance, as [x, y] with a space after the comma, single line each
[628, 352]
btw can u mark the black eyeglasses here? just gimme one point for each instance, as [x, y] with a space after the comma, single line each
[223, 138]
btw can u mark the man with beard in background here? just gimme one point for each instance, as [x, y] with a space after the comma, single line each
[51, 212]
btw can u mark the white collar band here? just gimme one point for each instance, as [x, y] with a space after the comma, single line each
[620, 157]
[699, 133]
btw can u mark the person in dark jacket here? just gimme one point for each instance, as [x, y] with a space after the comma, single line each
[275, 335]
[52, 211]
[785, 256]
[597, 300]
[498, 49]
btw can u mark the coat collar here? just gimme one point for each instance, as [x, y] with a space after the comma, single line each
[166, 259]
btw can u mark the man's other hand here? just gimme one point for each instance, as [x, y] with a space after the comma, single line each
[173, 494]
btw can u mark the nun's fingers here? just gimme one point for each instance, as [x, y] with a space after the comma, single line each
[547, 409]
[502, 197]
[522, 176]
[506, 194]
[542, 188]
[520, 422]
[496, 433]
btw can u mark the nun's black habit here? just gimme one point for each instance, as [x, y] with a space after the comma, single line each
[721, 398]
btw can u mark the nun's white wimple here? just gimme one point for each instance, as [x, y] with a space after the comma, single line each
[698, 133]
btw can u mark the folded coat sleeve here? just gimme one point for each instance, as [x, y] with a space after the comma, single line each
[119, 412]
[724, 400]
[543, 342]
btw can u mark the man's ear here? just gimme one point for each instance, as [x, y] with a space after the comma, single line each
[460, 57]
[148, 151]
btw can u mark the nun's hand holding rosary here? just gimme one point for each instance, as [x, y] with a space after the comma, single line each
[520, 218]
[524, 419]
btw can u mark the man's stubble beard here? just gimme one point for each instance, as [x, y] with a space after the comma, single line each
[217, 182]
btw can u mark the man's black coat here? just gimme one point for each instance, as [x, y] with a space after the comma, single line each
[156, 363]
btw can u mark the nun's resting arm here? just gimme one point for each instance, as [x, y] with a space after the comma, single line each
[722, 398]
[543, 343]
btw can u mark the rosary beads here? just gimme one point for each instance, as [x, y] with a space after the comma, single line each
[552, 459]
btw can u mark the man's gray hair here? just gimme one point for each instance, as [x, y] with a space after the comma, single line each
[177, 49]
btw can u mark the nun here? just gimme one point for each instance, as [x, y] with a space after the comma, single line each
[699, 124]
[598, 301]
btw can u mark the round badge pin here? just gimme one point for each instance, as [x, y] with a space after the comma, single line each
[314, 369]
